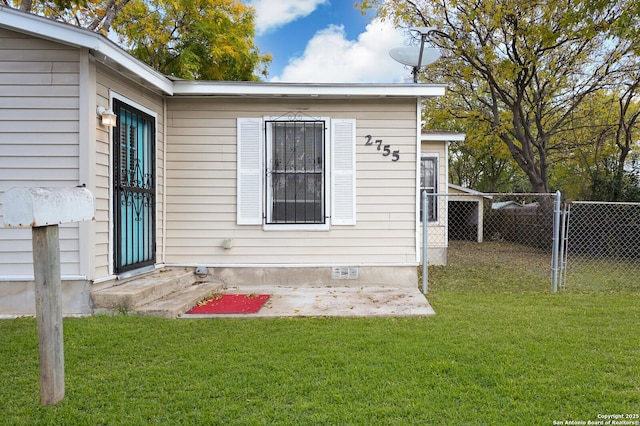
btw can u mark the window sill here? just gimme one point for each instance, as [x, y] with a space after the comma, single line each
[296, 227]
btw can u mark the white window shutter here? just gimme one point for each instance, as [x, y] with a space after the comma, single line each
[250, 165]
[343, 167]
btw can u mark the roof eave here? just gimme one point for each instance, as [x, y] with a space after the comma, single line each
[117, 58]
[468, 191]
[436, 136]
[304, 90]
[110, 54]
[102, 48]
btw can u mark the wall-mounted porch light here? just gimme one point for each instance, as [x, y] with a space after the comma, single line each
[107, 116]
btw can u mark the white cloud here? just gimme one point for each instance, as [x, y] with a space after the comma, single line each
[271, 14]
[330, 58]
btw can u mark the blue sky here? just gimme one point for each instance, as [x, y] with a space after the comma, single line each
[326, 41]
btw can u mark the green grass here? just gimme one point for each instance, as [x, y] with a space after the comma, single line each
[494, 354]
[592, 275]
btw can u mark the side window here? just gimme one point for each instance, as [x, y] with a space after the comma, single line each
[429, 183]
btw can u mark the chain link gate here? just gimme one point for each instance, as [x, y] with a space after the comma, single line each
[600, 248]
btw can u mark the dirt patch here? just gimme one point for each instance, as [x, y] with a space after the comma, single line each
[466, 253]
[492, 267]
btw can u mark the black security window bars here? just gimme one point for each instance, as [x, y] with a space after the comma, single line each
[429, 182]
[296, 172]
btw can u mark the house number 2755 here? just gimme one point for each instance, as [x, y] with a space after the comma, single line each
[386, 149]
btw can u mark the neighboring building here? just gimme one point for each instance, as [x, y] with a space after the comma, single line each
[260, 182]
[466, 213]
[506, 205]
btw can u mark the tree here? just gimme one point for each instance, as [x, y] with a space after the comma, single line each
[94, 15]
[584, 145]
[625, 139]
[193, 39]
[597, 161]
[481, 162]
[190, 39]
[522, 66]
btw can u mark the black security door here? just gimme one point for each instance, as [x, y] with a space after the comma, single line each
[134, 188]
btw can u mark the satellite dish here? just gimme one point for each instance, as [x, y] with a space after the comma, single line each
[417, 56]
[410, 56]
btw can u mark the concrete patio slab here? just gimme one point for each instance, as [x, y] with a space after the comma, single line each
[332, 302]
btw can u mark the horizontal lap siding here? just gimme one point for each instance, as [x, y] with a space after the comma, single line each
[39, 101]
[108, 80]
[201, 187]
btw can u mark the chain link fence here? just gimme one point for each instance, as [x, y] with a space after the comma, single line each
[509, 234]
[601, 247]
[529, 240]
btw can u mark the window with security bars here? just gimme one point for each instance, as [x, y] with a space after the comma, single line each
[295, 172]
[429, 183]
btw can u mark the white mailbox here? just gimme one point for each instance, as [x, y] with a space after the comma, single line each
[33, 207]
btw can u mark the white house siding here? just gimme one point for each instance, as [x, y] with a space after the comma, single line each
[437, 231]
[39, 101]
[201, 187]
[109, 82]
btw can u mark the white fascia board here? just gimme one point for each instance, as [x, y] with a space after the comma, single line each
[342, 90]
[23, 22]
[103, 49]
[442, 137]
[114, 54]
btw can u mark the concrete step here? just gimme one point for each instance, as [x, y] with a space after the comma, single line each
[177, 303]
[141, 290]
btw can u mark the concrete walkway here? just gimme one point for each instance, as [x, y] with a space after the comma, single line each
[333, 302]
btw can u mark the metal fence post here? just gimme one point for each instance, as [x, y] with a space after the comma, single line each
[564, 241]
[557, 240]
[425, 222]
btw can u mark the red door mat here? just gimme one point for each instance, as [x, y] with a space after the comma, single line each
[231, 304]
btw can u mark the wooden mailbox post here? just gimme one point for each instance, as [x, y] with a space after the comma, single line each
[43, 209]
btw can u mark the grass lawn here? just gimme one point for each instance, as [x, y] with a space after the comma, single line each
[493, 355]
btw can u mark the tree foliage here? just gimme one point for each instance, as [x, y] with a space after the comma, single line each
[481, 162]
[190, 39]
[523, 68]
[194, 39]
[598, 161]
[584, 145]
